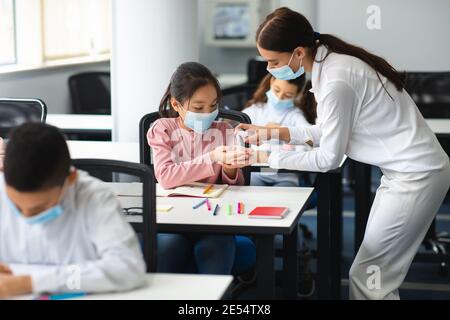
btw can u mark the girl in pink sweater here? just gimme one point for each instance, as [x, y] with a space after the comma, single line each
[188, 145]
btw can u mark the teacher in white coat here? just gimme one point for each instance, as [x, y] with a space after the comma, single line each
[363, 112]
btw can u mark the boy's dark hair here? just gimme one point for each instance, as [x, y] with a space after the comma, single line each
[37, 158]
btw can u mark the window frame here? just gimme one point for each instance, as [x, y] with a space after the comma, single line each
[14, 61]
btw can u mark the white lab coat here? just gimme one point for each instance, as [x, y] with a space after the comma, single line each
[91, 239]
[357, 117]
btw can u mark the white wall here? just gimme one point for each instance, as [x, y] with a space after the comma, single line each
[150, 39]
[234, 60]
[49, 84]
[414, 34]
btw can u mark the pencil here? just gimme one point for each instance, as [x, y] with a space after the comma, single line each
[208, 188]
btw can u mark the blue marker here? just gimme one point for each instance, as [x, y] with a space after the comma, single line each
[215, 210]
[199, 204]
[62, 296]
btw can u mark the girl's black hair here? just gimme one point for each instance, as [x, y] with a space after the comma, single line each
[185, 81]
[304, 100]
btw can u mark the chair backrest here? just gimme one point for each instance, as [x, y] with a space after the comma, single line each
[431, 92]
[101, 167]
[90, 92]
[14, 112]
[256, 70]
[236, 97]
[147, 120]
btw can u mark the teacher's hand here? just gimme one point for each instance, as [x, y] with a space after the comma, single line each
[258, 134]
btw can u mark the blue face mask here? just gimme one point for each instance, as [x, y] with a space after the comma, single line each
[278, 103]
[286, 73]
[43, 217]
[200, 122]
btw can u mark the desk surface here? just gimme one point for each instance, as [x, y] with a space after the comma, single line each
[182, 217]
[161, 286]
[439, 126]
[81, 121]
[124, 151]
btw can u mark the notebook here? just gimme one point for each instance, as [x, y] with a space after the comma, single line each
[195, 189]
[268, 212]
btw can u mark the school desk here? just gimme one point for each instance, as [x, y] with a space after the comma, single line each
[329, 208]
[165, 286]
[183, 218]
[87, 126]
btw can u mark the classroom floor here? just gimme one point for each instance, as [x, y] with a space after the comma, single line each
[422, 281]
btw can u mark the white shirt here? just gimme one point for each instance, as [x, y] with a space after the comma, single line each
[356, 117]
[91, 238]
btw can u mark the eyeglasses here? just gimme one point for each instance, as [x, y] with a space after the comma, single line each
[133, 211]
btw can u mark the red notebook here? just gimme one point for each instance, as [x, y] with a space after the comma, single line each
[268, 212]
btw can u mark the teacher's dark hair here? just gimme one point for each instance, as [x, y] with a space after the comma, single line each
[284, 30]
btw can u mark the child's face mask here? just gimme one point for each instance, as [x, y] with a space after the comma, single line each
[198, 121]
[277, 103]
[44, 216]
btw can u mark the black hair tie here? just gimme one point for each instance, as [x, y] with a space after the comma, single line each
[316, 36]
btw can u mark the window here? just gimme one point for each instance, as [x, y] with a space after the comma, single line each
[7, 32]
[39, 33]
[75, 28]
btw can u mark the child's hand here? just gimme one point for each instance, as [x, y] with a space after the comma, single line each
[5, 269]
[14, 285]
[255, 134]
[273, 125]
[230, 155]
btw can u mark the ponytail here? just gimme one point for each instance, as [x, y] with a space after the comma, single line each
[380, 65]
[284, 30]
[260, 93]
[307, 104]
[165, 109]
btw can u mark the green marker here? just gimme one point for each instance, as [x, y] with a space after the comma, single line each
[229, 209]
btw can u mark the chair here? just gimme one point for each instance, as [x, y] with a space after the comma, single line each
[90, 93]
[245, 247]
[14, 112]
[147, 120]
[236, 97]
[256, 70]
[115, 169]
[431, 92]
